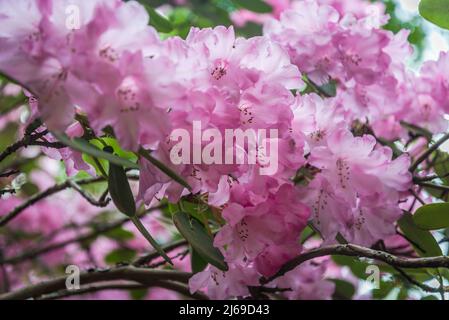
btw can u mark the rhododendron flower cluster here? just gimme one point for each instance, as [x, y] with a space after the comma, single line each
[335, 173]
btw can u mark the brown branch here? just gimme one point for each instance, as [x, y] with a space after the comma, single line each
[434, 186]
[170, 285]
[358, 251]
[9, 173]
[47, 144]
[417, 180]
[26, 141]
[145, 259]
[422, 286]
[7, 191]
[102, 202]
[140, 275]
[93, 289]
[39, 196]
[417, 197]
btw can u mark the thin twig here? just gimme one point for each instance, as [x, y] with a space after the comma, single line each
[102, 202]
[27, 140]
[418, 284]
[6, 191]
[42, 195]
[170, 285]
[428, 152]
[9, 173]
[417, 197]
[434, 186]
[143, 260]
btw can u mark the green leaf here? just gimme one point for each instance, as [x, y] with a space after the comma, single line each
[344, 290]
[417, 130]
[197, 262]
[435, 11]
[120, 255]
[180, 17]
[120, 190]
[329, 89]
[195, 233]
[84, 146]
[442, 166]
[254, 5]
[226, 5]
[422, 240]
[161, 23]
[169, 172]
[385, 288]
[432, 216]
[120, 234]
[118, 151]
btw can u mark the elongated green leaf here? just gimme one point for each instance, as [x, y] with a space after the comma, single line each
[422, 240]
[442, 166]
[197, 262]
[161, 23]
[169, 172]
[254, 5]
[226, 5]
[120, 190]
[435, 11]
[82, 145]
[120, 255]
[329, 89]
[433, 216]
[195, 233]
[118, 151]
[120, 234]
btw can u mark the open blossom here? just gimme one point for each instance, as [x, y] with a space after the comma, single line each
[355, 179]
[355, 168]
[322, 46]
[317, 118]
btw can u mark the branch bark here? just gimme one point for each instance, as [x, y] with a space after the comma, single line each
[358, 251]
[26, 141]
[170, 285]
[39, 196]
[128, 273]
